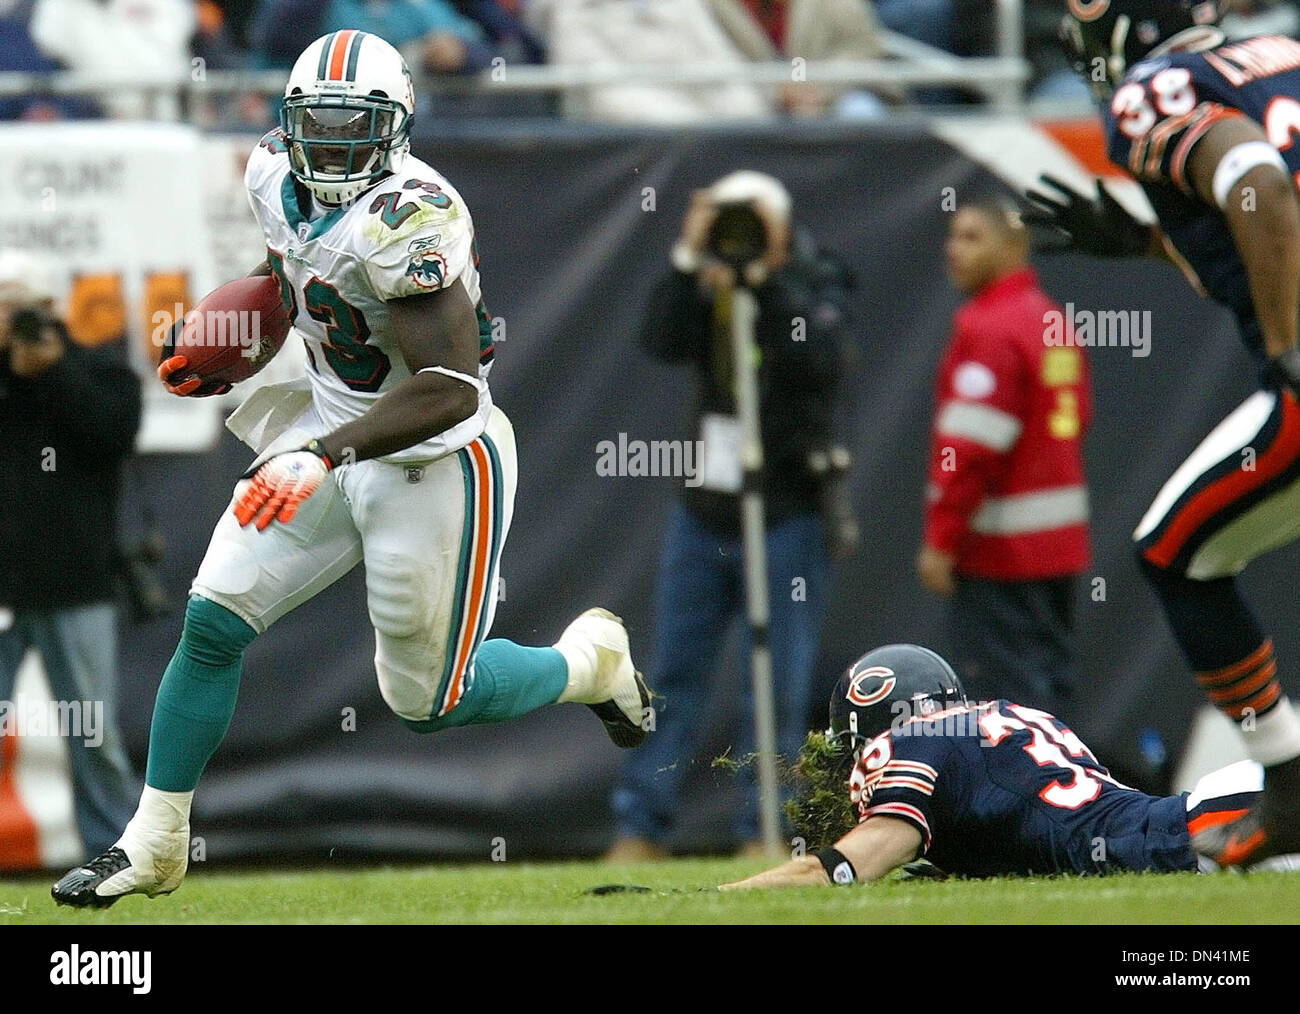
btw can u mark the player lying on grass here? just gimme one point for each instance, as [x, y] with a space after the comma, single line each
[391, 453]
[987, 789]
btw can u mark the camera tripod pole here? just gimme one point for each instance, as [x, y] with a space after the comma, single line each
[744, 313]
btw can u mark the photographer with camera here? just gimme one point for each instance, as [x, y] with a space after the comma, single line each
[68, 416]
[739, 231]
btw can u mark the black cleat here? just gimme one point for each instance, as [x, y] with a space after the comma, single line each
[78, 887]
[1268, 834]
[621, 729]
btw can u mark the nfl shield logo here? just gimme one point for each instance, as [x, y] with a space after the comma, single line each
[303, 229]
[414, 473]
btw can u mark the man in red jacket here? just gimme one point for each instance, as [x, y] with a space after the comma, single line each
[1006, 524]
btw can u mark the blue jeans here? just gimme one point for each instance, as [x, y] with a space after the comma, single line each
[79, 649]
[701, 592]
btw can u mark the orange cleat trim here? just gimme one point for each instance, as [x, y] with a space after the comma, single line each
[1216, 818]
[1237, 852]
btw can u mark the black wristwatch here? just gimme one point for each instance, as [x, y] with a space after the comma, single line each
[317, 448]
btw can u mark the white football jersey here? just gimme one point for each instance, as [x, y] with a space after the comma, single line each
[410, 233]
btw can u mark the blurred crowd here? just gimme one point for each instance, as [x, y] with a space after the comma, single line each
[155, 43]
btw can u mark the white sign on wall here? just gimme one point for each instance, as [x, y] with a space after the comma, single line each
[117, 212]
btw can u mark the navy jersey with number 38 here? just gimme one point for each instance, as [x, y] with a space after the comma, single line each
[1002, 789]
[1164, 105]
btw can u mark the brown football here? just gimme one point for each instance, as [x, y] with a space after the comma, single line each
[234, 331]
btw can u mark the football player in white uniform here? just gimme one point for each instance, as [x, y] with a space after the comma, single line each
[390, 452]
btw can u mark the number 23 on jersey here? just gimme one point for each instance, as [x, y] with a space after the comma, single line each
[361, 366]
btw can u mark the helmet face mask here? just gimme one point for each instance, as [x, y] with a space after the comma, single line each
[846, 740]
[342, 141]
[348, 108]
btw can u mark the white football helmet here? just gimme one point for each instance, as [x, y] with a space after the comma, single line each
[347, 114]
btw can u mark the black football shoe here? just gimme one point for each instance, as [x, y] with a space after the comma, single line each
[1267, 836]
[106, 878]
[80, 887]
[625, 730]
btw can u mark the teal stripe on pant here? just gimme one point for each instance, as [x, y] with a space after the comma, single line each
[494, 554]
[462, 580]
[473, 485]
[509, 680]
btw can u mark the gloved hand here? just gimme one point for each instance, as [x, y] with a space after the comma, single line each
[1099, 226]
[171, 372]
[280, 484]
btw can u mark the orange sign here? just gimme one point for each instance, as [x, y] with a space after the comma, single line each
[96, 309]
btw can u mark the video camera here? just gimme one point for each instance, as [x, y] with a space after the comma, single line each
[738, 236]
[28, 324]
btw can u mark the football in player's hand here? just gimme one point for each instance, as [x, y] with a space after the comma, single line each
[235, 331]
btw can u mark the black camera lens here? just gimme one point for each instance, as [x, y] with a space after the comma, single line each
[26, 326]
[738, 236]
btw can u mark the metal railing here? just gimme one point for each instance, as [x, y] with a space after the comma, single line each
[999, 79]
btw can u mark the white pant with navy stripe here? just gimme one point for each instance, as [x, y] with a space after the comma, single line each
[430, 536]
[1235, 498]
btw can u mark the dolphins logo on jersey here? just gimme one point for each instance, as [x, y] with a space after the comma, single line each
[427, 267]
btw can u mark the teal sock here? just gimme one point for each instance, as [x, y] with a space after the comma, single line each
[509, 680]
[196, 698]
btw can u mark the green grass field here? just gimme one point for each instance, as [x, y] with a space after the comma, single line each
[681, 892]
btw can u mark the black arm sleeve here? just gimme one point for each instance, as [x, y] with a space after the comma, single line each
[677, 319]
[95, 397]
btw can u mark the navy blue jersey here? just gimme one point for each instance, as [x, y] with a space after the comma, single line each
[1159, 112]
[1001, 789]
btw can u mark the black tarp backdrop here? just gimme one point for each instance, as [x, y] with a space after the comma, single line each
[568, 255]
